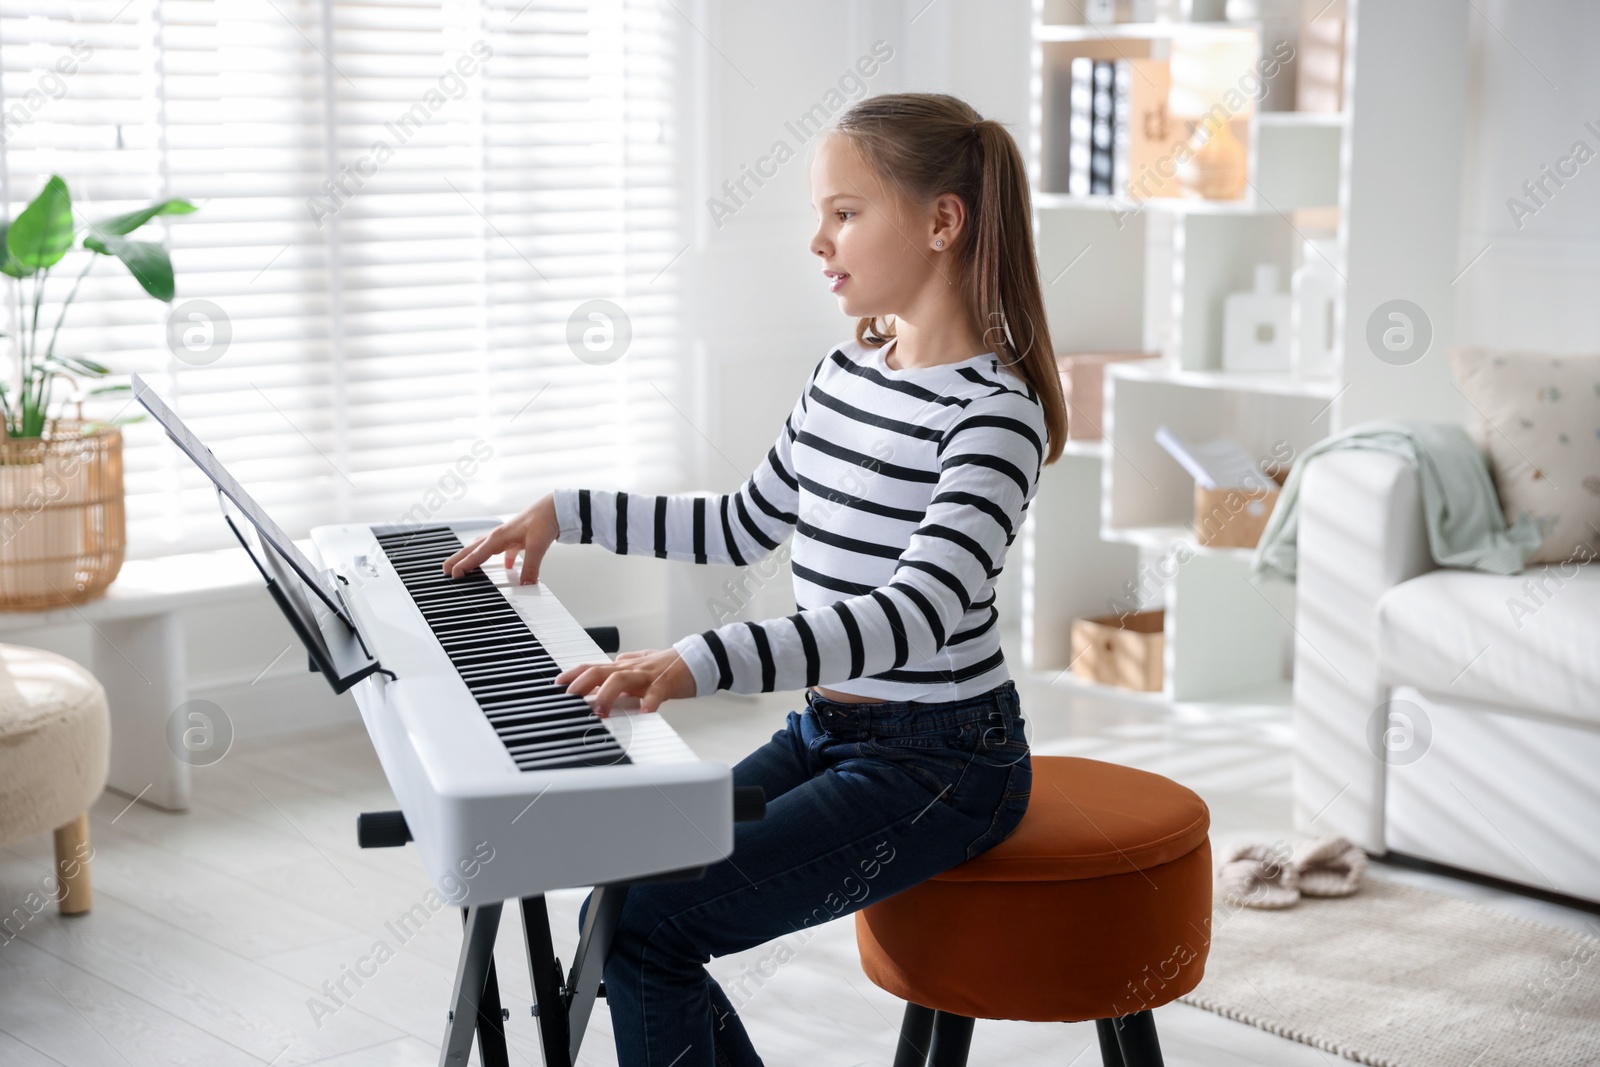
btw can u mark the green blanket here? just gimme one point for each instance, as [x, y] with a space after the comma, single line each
[1466, 526]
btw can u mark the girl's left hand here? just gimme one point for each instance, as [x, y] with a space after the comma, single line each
[651, 675]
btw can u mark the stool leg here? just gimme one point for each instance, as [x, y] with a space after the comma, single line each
[72, 866]
[952, 1037]
[1136, 1034]
[1110, 1051]
[916, 1031]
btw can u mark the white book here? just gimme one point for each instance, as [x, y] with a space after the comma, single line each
[1219, 464]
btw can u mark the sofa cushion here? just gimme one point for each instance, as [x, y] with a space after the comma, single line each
[1527, 641]
[1540, 425]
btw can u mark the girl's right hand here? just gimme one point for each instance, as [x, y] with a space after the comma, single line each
[532, 533]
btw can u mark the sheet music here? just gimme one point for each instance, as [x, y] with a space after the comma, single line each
[269, 530]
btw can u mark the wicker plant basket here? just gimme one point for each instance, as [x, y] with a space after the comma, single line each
[62, 525]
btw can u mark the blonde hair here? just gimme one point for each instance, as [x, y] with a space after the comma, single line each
[925, 144]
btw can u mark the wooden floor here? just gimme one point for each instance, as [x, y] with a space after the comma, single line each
[215, 933]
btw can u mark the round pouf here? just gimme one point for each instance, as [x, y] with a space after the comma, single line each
[55, 737]
[1098, 906]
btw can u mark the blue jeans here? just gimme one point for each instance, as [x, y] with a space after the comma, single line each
[863, 800]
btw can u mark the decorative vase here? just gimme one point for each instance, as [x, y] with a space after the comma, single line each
[1316, 292]
[1216, 170]
[1255, 326]
[62, 524]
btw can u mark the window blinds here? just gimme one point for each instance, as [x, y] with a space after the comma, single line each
[418, 222]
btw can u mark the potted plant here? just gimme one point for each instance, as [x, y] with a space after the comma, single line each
[62, 524]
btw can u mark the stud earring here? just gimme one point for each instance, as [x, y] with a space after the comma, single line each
[939, 243]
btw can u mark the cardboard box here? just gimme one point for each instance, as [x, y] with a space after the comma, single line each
[1083, 376]
[1233, 518]
[1120, 650]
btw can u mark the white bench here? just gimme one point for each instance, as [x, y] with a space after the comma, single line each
[138, 656]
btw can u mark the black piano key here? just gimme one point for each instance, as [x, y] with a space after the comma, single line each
[527, 699]
[448, 608]
[492, 690]
[500, 660]
[500, 654]
[446, 596]
[489, 673]
[596, 760]
[563, 747]
[509, 721]
[496, 630]
[572, 704]
[571, 731]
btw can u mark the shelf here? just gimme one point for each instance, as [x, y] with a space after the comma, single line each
[1141, 31]
[1303, 118]
[1280, 384]
[1129, 272]
[1275, 697]
[1160, 538]
[1096, 449]
[1146, 494]
[1167, 205]
[1065, 679]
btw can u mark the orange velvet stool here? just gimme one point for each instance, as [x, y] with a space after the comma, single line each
[1098, 906]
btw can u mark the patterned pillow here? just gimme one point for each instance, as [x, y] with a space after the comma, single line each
[1541, 430]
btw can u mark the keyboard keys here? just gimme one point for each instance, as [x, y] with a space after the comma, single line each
[505, 667]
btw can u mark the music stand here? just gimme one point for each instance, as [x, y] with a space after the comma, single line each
[297, 586]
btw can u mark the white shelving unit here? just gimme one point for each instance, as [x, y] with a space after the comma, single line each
[1110, 528]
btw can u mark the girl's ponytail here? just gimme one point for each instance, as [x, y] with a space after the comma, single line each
[926, 144]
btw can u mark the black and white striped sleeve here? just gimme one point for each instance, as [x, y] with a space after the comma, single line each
[742, 527]
[989, 464]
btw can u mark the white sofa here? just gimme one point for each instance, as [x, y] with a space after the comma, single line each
[1448, 715]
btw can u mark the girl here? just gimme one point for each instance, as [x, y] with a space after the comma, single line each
[903, 473]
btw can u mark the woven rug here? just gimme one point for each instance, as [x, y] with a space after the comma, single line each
[1396, 976]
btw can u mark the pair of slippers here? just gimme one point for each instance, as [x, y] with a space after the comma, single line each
[1269, 876]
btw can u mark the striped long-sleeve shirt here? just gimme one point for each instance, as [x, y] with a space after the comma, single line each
[903, 490]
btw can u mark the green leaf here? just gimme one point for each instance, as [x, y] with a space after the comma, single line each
[103, 390]
[77, 365]
[146, 261]
[11, 265]
[122, 224]
[42, 234]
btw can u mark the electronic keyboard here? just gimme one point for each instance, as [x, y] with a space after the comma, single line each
[490, 758]
[484, 752]
[509, 785]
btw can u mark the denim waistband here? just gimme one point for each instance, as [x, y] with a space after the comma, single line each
[898, 717]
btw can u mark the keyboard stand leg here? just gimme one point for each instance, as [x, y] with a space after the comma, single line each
[473, 992]
[545, 973]
[594, 945]
[564, 1006]
[491, 1019]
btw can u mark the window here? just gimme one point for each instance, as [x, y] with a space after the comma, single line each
[406, 211]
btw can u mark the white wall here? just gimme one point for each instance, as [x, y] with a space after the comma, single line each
[1534, 84]
[759, 316]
